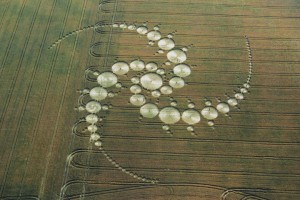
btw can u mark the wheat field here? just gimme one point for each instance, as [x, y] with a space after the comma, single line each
[45, 49]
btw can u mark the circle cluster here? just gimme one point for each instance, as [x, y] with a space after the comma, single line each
[157, 80]
[153, 78]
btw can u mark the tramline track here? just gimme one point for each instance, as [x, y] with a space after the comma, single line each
[32, 142]
[66, 171]
[13, 87]
[49, 155]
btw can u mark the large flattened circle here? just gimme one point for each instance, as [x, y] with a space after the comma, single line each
[107, 79]
[176, 56]
[169, 115]
[151, 81]
[149, 110]
[209, 113]
[191, 116]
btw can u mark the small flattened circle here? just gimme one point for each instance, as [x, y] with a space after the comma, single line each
[232, 102]
[190, 128]
[166, 127]
[93, 107]
[131, 27]
[191, 105]
[166, 89]
[208, 102]
[246, 85]
[239, 96]
[160, 71]
[95, 137]
[156, 93]
[98, 144]
[211, 123]
[135, 80]
[123, 26]
[151, 66]
[176, 82]
[92, 128]
[244, 90]
[137, 100]
[91, 118]
[135, 89]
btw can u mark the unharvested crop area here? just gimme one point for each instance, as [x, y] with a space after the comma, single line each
[254, 154]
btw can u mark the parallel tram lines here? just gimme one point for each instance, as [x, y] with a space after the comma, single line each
[50, 149]
[56, 53]
[32, 141]
[62, 101]
[67, 167]
[73, 137]
[14, 82]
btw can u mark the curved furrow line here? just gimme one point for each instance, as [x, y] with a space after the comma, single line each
[185, 14]
[189, 155]
[135, 186]
[237, 37]
[199, 140]
[220, 125]
[239, 191]
[218, 4]
[198, 47]
[188, 171]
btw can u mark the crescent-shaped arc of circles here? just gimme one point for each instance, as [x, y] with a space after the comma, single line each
[152, 79]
